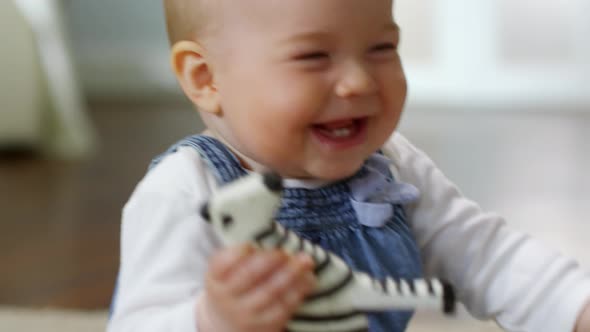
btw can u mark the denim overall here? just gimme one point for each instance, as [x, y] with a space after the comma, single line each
[360, 219]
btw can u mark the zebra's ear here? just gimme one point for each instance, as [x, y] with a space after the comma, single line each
[273, 181]
[205, 212]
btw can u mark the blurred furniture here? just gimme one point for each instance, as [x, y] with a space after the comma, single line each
[41, 107]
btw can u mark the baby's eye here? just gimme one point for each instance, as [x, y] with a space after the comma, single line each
[312, 56]
[384, 47]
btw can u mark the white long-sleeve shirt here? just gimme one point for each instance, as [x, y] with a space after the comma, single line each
[498, 273]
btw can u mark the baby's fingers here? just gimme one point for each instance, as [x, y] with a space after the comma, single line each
[226, 261]
[286, 287]
[294, 296]
[255, 270]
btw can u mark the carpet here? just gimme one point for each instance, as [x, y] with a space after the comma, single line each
[53, 320]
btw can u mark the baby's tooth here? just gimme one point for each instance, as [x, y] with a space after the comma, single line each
[342, 132]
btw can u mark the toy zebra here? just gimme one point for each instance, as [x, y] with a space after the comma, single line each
[243, 211]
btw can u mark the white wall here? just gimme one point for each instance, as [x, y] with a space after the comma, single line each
[456, 52]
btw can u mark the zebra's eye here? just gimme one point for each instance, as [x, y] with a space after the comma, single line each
[205, 212]
[227, 221]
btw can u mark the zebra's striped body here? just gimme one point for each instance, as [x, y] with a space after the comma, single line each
[243, 212]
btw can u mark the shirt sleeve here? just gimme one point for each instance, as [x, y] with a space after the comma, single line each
[498, 273]
[164, 249]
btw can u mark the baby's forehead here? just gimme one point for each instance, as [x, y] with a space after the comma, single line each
[217, 20]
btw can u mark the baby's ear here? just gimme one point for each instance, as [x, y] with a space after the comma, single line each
[195, 76]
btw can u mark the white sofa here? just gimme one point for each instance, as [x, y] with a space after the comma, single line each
[41, 106]
[20, 81]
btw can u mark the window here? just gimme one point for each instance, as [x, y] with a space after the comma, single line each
[496, 52]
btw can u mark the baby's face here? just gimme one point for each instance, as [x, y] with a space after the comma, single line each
[308, 88]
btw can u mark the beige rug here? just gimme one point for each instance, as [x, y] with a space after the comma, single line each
[49, 320]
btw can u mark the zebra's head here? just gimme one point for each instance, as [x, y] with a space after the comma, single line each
[244, 208]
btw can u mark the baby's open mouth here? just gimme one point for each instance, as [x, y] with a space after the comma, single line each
[340, 129]
[341, 133]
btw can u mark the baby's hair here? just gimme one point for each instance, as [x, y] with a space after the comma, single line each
[187, 19]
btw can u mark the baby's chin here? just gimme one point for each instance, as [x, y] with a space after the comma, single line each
[326, 172]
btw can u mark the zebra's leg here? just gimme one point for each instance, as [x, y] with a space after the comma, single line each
[403, 294]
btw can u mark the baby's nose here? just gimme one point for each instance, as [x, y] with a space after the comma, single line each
[356, 81]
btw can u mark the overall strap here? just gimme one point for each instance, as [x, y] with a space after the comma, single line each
[225, 165]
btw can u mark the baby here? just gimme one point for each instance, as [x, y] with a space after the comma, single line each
[314, 90]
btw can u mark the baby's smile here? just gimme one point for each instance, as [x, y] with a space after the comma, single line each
[340, 134]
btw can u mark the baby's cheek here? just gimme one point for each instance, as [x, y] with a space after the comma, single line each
[397, 88]
[302, 92]
[291, 116]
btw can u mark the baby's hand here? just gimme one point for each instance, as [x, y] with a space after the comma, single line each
[583, 323]
[250, 290]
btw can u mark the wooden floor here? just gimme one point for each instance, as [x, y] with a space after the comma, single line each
[59, 221]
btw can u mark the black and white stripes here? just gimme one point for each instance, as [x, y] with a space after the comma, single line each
[336, 279]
